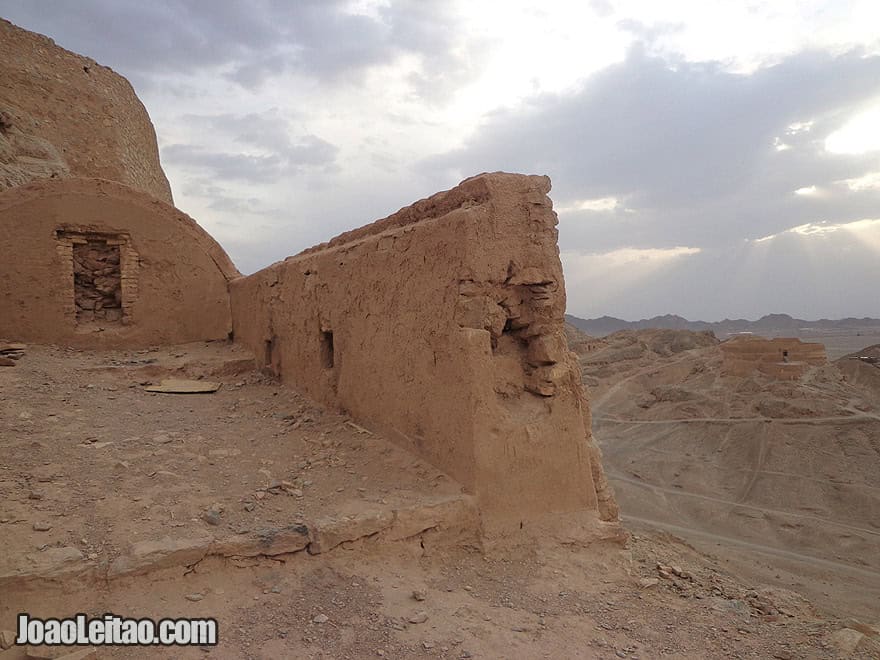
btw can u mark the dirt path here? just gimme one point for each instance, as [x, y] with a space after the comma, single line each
[740, 420]
[739, 504]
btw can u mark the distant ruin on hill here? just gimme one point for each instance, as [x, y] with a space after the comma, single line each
[781, 358]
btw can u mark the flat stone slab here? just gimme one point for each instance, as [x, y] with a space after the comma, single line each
[454, 515]
[182, 386]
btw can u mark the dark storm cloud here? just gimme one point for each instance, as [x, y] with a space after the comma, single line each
[688, 148]
[250, 40]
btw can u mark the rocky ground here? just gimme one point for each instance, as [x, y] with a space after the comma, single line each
[306, 535]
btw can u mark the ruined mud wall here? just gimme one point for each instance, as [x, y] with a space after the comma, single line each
[442, 326]
[96, 263]
[782, 358]
[62, 114]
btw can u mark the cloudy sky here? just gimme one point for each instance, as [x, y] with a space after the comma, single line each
[709, 159]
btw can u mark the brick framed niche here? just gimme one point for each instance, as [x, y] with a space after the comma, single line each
[98, 276]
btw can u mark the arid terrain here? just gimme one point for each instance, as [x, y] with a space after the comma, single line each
[779, 479]
[188, 505]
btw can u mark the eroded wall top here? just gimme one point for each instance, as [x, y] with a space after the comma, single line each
[62, 114]
[442, 326]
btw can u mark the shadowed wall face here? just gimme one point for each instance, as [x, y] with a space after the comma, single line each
[442, 326]
[96, 263]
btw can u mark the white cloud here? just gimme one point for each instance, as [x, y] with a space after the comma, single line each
[870, 181]
[867, 230]
[597, 204]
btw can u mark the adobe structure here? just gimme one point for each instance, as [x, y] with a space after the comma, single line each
[95, 263]
[782, 358]
[440, 326]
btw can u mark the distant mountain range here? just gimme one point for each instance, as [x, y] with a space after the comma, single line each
[769, 325]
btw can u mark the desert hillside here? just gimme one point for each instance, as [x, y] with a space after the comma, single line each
[62, 114]
[783, 472]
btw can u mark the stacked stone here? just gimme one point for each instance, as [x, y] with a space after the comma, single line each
[97, 282]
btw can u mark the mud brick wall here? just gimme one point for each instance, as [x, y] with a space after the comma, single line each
[442, 326]
[60, 239]
[781, 358]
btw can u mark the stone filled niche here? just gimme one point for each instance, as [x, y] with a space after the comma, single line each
[100, 274]
[97, 282]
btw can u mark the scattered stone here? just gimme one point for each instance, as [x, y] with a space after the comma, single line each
[7, 639]
[845, 641]
[7, 348]
[320, 618]
[42, 527]
[418, 617]
[42, 652]
[684, 575]
[160, 553]
[419, 594]
[6, 362]
[213, 515]
[428, 645]
[647, 583]
[195, 598]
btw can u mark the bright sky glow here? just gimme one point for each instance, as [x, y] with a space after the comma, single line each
[859, 135]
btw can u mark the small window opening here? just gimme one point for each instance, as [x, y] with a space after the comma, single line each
[97, 282]
[785, 356]
[327, 356]
[268, 351]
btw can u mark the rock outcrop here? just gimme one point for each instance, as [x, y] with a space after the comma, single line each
[62, 114]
